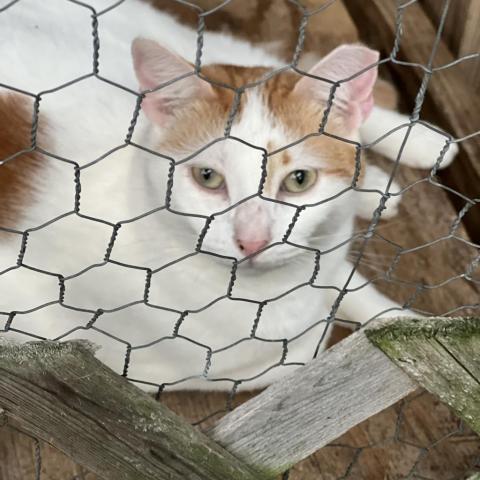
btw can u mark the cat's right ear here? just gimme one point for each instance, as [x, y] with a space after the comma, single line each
[154, 66]
[355, 66]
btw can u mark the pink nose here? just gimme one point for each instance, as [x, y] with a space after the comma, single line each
[250, 246]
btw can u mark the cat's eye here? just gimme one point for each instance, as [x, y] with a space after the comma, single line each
[299, 181]
[208, 178]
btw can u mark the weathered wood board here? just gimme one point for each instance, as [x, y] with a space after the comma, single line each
[389, 444]
[302, 413]
[442, 355]
[60, 393]
[63, 395]
[461, 32]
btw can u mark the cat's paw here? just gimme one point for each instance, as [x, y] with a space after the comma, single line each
[423, 148]
[385, 131]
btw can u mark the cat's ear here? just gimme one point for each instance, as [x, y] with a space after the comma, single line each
[354, 98]
[155, 65]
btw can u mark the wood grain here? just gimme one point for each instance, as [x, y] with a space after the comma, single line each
[461, 32]
[433, 351]
[470, 42]
[387, 445]
[305, 411]
[60, 393]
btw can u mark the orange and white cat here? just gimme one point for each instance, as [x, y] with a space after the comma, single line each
[246, 298]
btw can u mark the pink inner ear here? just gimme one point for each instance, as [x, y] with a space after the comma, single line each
[359, 91]
[155, 65]
[355, 96]
[366, 107]
[154, 110]
[360, 98]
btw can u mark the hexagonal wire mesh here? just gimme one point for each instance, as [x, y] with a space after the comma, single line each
[362, 238]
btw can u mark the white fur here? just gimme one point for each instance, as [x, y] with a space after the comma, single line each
[422, 147]
[49, 43]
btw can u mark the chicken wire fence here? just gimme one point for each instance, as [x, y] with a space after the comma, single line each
[360, 239]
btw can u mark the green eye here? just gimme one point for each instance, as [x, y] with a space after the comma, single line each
[208, 178]
[299, 181]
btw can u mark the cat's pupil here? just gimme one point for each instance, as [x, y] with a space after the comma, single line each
[299, 176]
[206, 173]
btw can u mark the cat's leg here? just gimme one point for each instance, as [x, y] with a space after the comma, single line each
[423, 146]
[377, 179]
[367, 302]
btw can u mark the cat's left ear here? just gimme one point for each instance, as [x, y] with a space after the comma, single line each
[155, 65]
[353, 98]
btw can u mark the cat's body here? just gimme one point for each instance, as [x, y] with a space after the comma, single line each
[49, 45]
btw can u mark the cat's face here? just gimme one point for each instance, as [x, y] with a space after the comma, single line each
[249, 184]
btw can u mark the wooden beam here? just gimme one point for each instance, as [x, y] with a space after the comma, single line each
[442, 354]
[313, 406]
[450, 100]
[60, 393]
[461, 31]
[470, 41]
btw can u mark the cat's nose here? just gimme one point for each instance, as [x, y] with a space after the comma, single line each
[248, 247]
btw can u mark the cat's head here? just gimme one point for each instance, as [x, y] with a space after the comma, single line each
[250, 168]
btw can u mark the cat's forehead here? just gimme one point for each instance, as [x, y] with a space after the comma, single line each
[267, 117]
[257, 125]
[243, 106]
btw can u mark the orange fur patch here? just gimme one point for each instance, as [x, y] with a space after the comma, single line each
[16, 189]
[203, 120]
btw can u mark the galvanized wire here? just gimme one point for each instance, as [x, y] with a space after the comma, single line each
[361, 239]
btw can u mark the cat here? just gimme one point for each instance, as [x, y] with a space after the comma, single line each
[206, 283]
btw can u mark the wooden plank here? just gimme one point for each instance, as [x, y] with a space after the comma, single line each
[16, 456]
[461, 32]
[308, 409]
[470, 42]
[429, 350]
[423, 421]
[17, 460]
[450, 101]
[454, 23]
[466, 350]
[60, 393]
